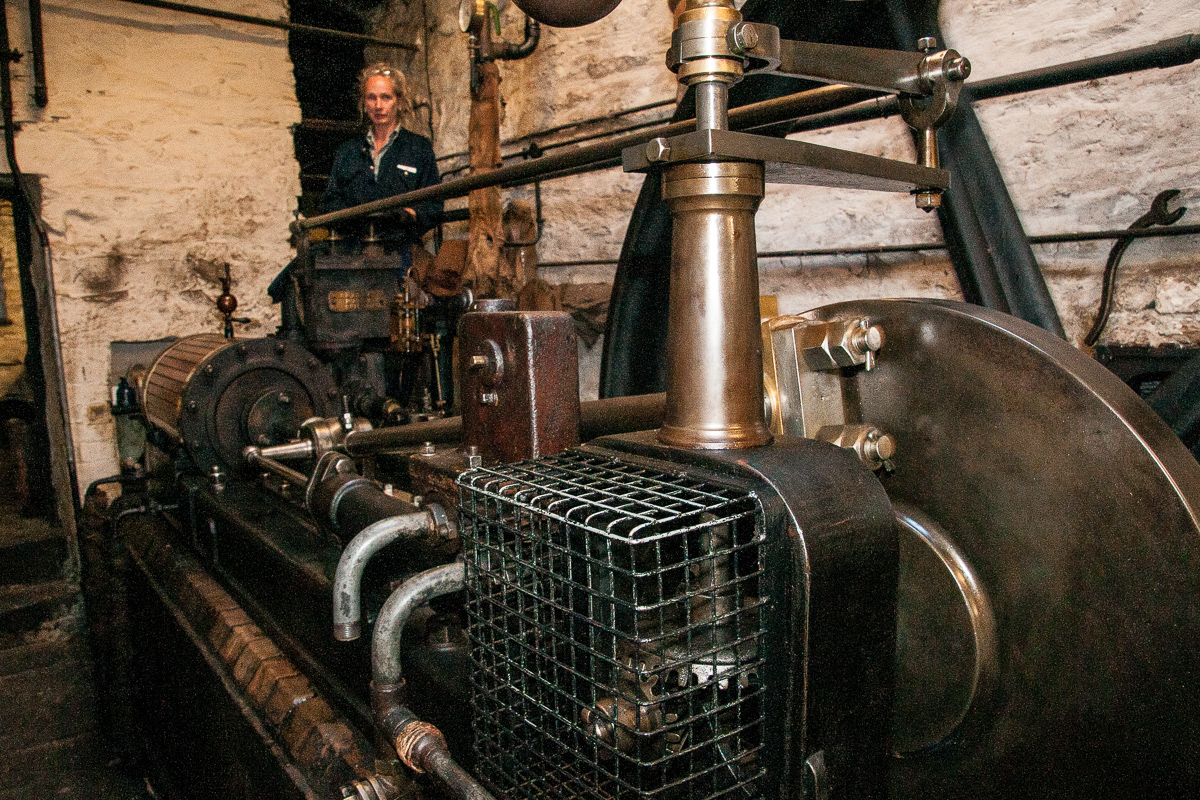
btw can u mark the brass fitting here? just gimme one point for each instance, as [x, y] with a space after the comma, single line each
[700, 49]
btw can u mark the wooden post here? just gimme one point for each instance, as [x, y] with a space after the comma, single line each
[487, 272]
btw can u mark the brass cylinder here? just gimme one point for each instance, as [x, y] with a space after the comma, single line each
[714, 347]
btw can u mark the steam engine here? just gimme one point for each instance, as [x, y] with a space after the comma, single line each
[883, 548]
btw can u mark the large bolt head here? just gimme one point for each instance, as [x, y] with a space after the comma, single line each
[658, 150]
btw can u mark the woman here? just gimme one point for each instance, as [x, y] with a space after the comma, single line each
[389, 160]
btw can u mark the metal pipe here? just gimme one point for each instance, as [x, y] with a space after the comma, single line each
[880, 249]
[419, 745]
[565, 126]
[596, 418]
[386, 669]
[608, 152]
[515, 52]
[347, 579]
[41, 95]
[294, 27]
[612, 415]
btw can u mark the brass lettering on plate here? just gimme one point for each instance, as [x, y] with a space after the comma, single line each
[346, 300]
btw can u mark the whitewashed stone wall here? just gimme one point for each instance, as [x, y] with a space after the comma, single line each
[164, 153]
[1085, 157]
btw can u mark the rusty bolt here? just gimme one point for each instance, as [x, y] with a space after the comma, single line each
[929, 200]
[658, 150]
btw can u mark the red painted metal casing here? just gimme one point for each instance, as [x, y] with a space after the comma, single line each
[519, 383]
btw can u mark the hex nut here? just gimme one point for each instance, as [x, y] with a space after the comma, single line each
[658, 150]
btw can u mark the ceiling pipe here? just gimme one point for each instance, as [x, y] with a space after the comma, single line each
[293, 27]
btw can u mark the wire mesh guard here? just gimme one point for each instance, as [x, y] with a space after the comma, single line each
[616, 626]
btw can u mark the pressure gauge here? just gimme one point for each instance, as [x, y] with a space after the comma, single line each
[473, 14]
[467, 10]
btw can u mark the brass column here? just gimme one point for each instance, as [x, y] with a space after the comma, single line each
[714, 346]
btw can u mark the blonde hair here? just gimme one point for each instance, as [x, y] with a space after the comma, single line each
[405, 114]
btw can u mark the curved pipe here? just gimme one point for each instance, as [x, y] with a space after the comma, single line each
[398, 610]
[515, 52]
[419, 745]
[347, 580]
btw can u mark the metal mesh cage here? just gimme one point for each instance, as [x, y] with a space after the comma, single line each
[616, 627]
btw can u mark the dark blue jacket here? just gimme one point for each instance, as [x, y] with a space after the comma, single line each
[352, 180]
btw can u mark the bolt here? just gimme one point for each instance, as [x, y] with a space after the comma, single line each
[280, 347]
[868, 339]
[929, 199]
[927, 44]
[191, 406]
[880, 446]
[745, 37]
[658, 150]
[489, 399]
[428, 449]
[478, 362]
[208, 369]
[958, 69]
[284, 399]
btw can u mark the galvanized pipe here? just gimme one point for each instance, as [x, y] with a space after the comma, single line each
[386, 647]
[347, 579]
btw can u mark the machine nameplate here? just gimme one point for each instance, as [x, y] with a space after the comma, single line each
[347, 300]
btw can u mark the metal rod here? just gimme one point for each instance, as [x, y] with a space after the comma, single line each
[777, 110]
[41, 94]
[255, 457]
[1050, 238]
[1167, 53]
[294, 27]
[596, 418]
[568, 125]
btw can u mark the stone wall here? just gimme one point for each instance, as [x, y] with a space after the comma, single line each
[164, 153]
[1085, 157]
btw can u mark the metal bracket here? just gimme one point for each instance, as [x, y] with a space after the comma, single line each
[788, 161]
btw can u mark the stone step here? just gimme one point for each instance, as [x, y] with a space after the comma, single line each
[27, 609]
[47, 766]
[46, 704]
[34, 560]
